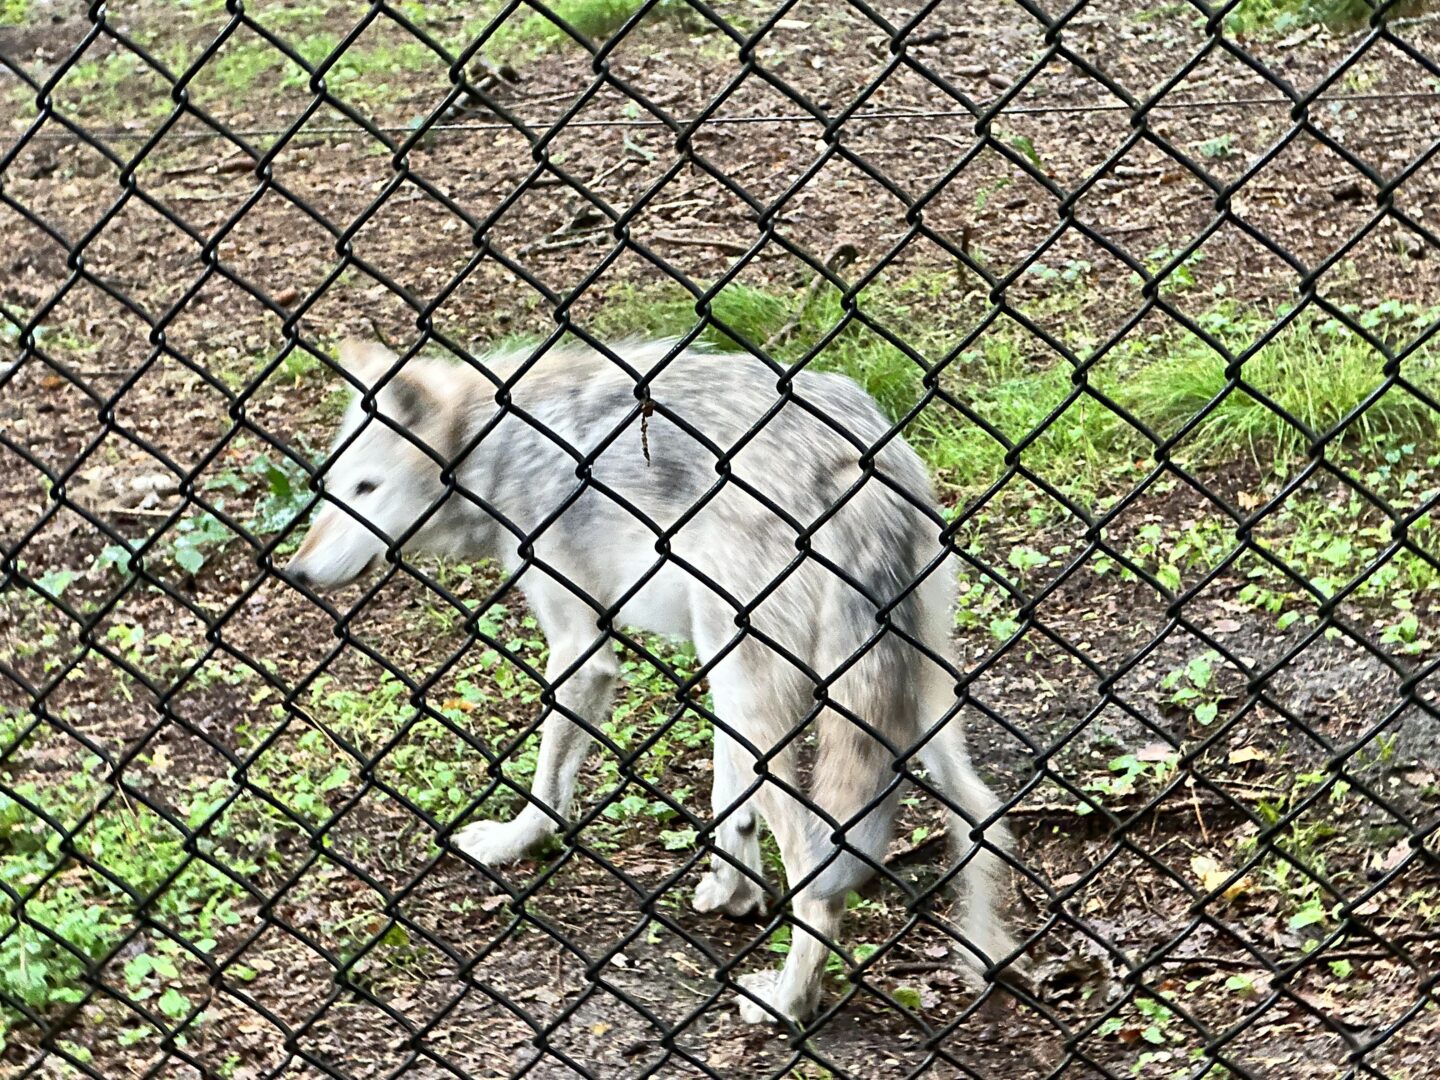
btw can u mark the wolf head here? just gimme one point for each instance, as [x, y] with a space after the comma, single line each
[381, 483]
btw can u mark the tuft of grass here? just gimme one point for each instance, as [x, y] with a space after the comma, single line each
[248, 70]
[114, 85]
[1318, 371]
[738, 314]
[14, 12]
[361, 75]
[596, 20]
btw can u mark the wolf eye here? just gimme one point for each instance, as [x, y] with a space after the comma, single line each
[364, 487]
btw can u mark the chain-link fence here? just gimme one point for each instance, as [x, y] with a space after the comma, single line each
[1130, 477]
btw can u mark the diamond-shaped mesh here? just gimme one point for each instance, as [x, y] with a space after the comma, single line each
[1147, 286]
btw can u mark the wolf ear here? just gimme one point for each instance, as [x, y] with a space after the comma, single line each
[408, 401]
[408, 398]
[366, 360]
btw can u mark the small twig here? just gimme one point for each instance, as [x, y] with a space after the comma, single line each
[1412, 20]
[379, 334]
[916, 851]
[133, 511]
[1127, 230]
[1249, 789]
[678, 203]
[625, 159]
[530, 185]
[219, 196]
[730, 247]
[745, 167]
[1119, 808]
[583, 236]
[916, 967]
[238, 163]
[541, 99]
[934, 37]
[1232, 962]
[951, 140]
[1361, 954]
[840, 257]
[1199, 817]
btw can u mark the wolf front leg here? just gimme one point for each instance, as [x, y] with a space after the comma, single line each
[583, 679]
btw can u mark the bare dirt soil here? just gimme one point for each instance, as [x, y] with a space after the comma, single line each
[1174, 921]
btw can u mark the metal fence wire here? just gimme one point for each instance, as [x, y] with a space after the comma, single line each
[1147, 289]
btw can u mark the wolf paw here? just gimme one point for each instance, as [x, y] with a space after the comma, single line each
[738, 897]
[996, 945]
[768, 987]
[496, 843]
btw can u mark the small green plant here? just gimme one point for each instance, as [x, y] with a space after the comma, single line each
[1192, 688]
[1072, 273]
[1128, 774]
[1145, 1020]
[1296, 875]
[1182, 275]
[300, 364]
[1220, 148]
[277, 493]
[989, 191]
[648, 715]
[1405, 635]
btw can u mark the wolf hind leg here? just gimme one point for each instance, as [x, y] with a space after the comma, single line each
[826, 854]
[980, 843]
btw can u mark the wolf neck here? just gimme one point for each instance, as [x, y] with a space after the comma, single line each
[475, 388]
[462, 528]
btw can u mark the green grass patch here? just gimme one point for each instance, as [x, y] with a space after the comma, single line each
[367, 72]
[1283, 15]
[118, 84]
[493, 700]
[596, 20]
[247, 72]
[64, 916]
[387, 65]
[1317, 370]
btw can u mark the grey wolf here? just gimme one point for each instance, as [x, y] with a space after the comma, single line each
[785, 531]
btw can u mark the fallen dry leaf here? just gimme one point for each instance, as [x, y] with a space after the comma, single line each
[1213, 877]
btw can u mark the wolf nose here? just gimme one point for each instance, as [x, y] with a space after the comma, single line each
[300, 577]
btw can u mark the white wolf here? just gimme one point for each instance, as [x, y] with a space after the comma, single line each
[774, 522]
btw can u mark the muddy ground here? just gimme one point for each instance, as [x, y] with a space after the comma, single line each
[172, 275]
